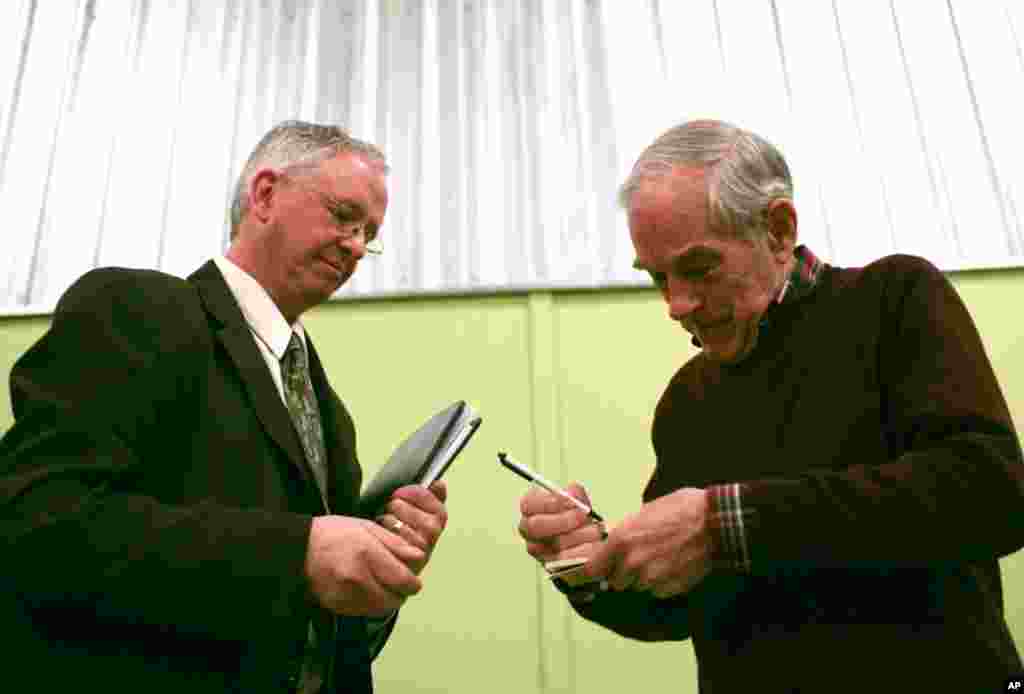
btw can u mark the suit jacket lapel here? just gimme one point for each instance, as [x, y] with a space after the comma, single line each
[239, 343]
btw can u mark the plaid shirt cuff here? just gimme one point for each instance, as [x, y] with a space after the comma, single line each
[729, 523]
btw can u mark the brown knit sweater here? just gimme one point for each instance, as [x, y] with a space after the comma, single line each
[881, 481]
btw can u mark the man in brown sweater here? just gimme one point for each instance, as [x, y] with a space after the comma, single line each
[837, 471]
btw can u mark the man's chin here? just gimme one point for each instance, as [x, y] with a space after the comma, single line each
[322, 293]
[342, 280]
[335, 277]
[732, 352]
[725, 357]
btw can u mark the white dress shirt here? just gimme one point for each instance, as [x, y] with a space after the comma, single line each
[268, 325]
[271, 332]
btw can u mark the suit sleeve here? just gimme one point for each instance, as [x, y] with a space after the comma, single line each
[952, 488]
[77, 535]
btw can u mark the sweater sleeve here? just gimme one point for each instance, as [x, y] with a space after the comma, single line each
[78, 536]
[638, 615]
[952, 487]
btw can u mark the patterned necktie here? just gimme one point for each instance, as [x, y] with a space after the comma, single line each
[298, 391]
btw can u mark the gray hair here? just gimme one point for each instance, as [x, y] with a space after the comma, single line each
[297, 147]
[745, 173]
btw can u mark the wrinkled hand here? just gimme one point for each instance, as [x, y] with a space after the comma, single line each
[556, 529]
[664, 548]
[423, 518]
[357, 568]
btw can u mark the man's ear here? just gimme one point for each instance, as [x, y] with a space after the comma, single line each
[781, 218]
[262, 189]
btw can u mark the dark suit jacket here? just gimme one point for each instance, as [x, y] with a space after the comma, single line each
[155, 504]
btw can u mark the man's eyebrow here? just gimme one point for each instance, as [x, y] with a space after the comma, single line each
[692, 255]
[697, 253]
[345, 206]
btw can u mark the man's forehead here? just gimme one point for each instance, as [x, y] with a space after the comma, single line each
[676, 180]
[668, 215]
[355, 170]
[681, 191]
[350, 163]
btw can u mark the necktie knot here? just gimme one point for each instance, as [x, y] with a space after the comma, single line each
[294, 354]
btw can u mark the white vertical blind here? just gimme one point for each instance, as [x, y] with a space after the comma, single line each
[508, 126]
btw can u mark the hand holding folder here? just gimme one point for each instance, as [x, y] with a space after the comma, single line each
[423, 457]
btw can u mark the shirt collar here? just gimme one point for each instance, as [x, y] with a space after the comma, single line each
[260, 312]
[804, 277]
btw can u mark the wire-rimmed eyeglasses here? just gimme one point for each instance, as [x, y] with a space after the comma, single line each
[349, 217]
[342, 213]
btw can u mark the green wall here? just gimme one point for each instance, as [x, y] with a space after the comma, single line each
[565, 382]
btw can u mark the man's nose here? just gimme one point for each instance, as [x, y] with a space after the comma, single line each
[355, 245]
[681, 299]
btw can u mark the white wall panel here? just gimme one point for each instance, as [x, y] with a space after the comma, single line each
[508, 126]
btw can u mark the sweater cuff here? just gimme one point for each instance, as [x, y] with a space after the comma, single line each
[730, 524]
[579, 595]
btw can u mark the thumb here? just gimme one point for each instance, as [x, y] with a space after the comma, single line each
[603, 561]
[577, 490]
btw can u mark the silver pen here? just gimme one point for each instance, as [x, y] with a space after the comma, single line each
[528, 474]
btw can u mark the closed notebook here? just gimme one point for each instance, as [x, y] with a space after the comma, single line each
[422, 457]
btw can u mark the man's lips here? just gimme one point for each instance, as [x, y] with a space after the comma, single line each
[334, 265]
[708, 327]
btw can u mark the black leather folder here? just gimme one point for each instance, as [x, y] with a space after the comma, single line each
[422, 457]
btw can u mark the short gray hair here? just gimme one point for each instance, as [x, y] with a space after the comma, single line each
[295, 146]
[745, 172]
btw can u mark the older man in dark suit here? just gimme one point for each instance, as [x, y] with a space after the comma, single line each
[179, 486]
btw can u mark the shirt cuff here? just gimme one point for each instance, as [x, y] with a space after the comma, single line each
[729, 523]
